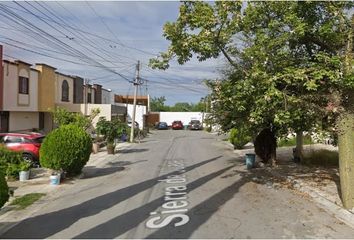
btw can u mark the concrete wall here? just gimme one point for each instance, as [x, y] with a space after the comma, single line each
[139, 114]
[185, 117]
[46, 89]
[23, 121]
[13, 101]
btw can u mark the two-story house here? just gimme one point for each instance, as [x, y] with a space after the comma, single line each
[19, 96]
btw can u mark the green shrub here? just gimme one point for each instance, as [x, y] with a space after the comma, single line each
[67, 148]
[239, 137]
[110, 129]
[289, 142]
[10, 161]
[4, 190]
[322, 157]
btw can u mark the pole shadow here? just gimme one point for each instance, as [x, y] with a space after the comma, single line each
[133, 218]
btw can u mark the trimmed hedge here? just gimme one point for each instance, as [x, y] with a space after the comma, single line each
[4, 190]
[67, 148]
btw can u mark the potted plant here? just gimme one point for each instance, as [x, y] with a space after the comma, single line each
[96, 144]
[109, 129]
[24, 171]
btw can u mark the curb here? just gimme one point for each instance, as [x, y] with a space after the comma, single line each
[337, 211]
[9, 219]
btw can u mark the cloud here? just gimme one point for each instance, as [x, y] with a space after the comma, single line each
[133, 29]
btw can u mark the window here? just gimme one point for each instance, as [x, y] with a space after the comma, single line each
[23, 85]
[65, 91]
[13, 139]
[88, 97]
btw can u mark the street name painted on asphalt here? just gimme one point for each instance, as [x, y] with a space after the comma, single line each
[175, 206]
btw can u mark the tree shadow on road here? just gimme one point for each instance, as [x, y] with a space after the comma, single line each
[92, 172]
[133, 218]
[57, 221]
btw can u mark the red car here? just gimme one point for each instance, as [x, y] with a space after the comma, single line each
[177, 125]
[28, 143]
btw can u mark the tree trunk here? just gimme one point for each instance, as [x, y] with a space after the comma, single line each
[298, 154]
[346, 133]
[346, 158]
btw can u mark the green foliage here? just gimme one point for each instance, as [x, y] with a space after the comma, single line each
[10, 161]
[323, 157]
[111, 129]
[24, 166]
[62, 117]
[288, 142]
[67, 148]
[26, 200]
[157, 104]
[239, 137]
[285, 60]
[4, 190]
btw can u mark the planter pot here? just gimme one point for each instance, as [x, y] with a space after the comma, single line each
[55, 179]
[95, 147]
[250, 160]
[24, 175]
[110, 149]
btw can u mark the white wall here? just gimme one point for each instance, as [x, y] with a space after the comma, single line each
[105, 111]
[23, 121]
[185, 117]
[139, 114]
[11, 96]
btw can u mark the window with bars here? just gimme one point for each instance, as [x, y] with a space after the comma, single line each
[23, 87]
[65, 91]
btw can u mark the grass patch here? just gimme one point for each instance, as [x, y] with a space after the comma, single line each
[26, 200]
[323, 157]
[289, 142]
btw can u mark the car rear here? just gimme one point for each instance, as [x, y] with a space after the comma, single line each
[162, 126]
[177, 125]
[195, 125]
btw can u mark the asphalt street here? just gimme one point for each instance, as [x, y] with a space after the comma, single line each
[177, 184]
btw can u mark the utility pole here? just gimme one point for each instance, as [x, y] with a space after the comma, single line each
[136, 83]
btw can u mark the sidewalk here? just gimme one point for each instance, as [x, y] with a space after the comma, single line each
[320, 184]
[39, 183]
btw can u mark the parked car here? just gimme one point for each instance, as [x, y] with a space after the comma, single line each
[195, 125]
[161, 126]
[28, 143]
[177, 125]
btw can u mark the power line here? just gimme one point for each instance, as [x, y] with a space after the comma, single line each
[56, 41]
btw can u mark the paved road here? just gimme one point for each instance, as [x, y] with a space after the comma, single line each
[177, 184]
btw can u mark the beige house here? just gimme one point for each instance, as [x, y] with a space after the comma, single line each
[20, 96]
[29, 96]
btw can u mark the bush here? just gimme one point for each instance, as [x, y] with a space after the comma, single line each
[10, 161]
[289, 142]
[67, 148]
[239, 137]
[4, 190]
[110, 129]
[323, 157]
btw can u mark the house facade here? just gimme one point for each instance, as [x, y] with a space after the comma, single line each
[28, 95]
[20, 97]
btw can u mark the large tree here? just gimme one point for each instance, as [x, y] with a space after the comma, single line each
[290, 66]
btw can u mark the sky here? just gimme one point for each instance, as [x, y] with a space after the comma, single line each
[102, 42]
